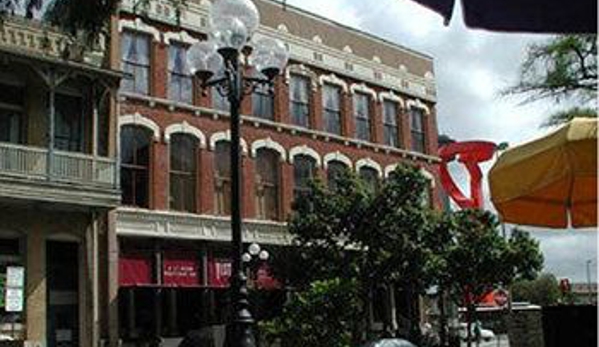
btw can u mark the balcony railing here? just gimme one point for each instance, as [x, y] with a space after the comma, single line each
[36, 163]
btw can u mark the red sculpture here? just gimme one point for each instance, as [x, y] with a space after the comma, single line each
[471, 154]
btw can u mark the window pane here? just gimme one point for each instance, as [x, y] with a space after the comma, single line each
[222, 189]
[180, 81]
[135, 50]
[219, 102]
[391, 131]
[300, 100]
[418, 130]
[263, 103]
[10, 126]
[135, 153]
[267, 184]
[304, 168]
[68, 130]
[334, 170]
[183, 161]
[362, 116]
[332, 108]
[370, 178]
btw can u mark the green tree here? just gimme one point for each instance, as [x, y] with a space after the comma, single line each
[477, 259]
[543, 291]
[563, 68]
[370, 238]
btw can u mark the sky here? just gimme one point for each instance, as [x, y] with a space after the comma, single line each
[471, 68]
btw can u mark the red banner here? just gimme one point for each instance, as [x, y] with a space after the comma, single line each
[219, 272]
[180, 269]
[135, 269]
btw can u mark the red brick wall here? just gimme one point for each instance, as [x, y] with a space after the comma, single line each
[209, 124]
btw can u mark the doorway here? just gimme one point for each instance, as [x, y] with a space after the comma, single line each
[62, 272]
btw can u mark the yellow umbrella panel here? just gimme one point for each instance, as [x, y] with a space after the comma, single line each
[541, 182]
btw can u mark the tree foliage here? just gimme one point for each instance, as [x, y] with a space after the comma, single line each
[543, 291]
[367, 238]
[561, 69]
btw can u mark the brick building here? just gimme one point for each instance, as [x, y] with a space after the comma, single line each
[346, 100]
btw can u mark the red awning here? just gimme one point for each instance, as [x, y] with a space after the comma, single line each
[135, 269]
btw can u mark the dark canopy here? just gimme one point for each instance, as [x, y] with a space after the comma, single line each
[541, 16]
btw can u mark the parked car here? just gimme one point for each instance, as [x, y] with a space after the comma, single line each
[391, 342]
[485, 334]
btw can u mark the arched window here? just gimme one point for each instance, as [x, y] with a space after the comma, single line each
[263, 102]
[299, 100]
[335, 169]
[135, 165]
[418, 129]
[362, 116]
[183, 172]
[371, 178]
[135, 50]
[304, 170]
[391, 129]
[180, 83]
[267, 184]
[222, 180]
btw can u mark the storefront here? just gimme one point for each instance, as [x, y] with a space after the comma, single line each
[168, 288]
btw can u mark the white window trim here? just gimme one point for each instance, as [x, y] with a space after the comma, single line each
[427, 174]
[334, 80]
[416, 103]
[364, 89]
[270, 144]
[139, 26]
[179, 37]
[337, 156]
[138, 120]
[301, 70]
[391, 96]
[307, 151]
[369, 163]
[184, 128]
[226, 136]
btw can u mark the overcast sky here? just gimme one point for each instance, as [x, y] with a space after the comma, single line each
[471, 67]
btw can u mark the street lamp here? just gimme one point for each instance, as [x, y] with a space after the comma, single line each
[220, 63]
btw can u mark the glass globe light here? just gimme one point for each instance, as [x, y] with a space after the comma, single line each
[246, 258]
[254, 249]
[230, 36]
[223, 11]
[263, 255]
[199, 56]
[270, 57]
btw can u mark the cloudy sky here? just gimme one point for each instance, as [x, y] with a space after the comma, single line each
[471, 67]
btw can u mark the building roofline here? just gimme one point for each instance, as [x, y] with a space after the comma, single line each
[366, 34]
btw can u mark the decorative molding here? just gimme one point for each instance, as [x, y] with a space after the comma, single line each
[138, 120]
[184, 128]
[270, 144]
[307, 151]
[389, 169]
[416, 103]
[367, 162]
[337, 156]
[317, 39]
[333, 79]
[226, 136]
[390, 95]
[429, 176]
[348, 49]
[429, 75]
[180, 36]
[376, 59]
[283, 28]
[139, 25]
[302, 70]
[363, 88]
[184, 226]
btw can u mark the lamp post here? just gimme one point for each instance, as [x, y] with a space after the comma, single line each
[220, 63]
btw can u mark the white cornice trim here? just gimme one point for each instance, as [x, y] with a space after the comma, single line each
[184, 128]
[333, 79]
[429, 176]
[302, 70]
[363, 88]
[390, 95]
[179, 36]
[367, 162]
[389, 169]
[139, 120]
[416, 103]
[270, 144]
[226, 136]
[307, 151]
[139, 25]
[337, 156]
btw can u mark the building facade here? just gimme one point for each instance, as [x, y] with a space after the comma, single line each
[58, 180]
[347, 100]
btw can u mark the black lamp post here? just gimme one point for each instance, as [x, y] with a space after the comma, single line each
[220, 63]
